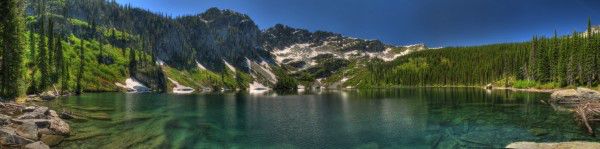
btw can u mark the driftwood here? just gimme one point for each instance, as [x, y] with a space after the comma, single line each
[588, 113]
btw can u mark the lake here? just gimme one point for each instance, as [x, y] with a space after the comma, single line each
[395, 118]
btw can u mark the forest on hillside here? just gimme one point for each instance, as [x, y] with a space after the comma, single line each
[543, 62]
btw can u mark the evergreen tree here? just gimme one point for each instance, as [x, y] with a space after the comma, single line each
[78, 88]
[132, 62]
[12, 49]
[563, 61]
[533, 61]
[58, 65]
[42, 55]
[588, 57]
[50, 53]
[32, 61]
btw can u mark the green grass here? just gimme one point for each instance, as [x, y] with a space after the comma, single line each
[198, 79]
[523, 84]
[97, 77]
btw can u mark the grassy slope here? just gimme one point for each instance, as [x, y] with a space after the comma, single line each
[97, 77]
[199, 79]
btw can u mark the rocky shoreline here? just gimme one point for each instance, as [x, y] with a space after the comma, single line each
[31, 127]
[560, 145]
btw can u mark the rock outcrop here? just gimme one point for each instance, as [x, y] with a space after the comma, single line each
[33, 127]
[574, 96]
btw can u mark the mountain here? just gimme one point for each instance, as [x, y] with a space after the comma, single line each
[219, 42]
[322, 53]
[223, 49]
[214, 49]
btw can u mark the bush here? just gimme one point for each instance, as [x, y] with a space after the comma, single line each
[286, 84]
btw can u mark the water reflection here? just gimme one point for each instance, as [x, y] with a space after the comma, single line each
[399, 118]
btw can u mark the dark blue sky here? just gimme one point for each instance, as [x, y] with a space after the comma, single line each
[401, 22]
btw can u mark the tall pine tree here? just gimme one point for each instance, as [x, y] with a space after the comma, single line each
[43, 51]
[78, 88]
[12, 49]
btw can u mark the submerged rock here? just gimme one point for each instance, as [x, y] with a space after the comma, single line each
[37, 145]
[66, 115]
[533, 145]
[51, 140]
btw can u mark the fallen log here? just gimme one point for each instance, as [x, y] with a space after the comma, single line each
[588, 112]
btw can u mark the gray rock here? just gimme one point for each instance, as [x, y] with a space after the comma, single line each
[37, 145]
[4, 119]
[59, 126]
[27, 130]
[42, 110]
[29, 109]
[38, 113]
[40, 123]
[52, 113]
[47, 131]
[8, 136]
[52, 140]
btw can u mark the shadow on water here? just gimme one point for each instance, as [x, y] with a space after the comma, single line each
[394, 118]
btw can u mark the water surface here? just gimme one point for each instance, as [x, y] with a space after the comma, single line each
[399, 118]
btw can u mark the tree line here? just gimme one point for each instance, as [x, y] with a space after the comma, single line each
[557, 61]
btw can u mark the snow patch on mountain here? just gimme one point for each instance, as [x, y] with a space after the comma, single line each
[258, 88]
[263, 69]
[180, 89]
[304, 54]
[229, 66]
[200, 66]
[160, 62]
[133, 86]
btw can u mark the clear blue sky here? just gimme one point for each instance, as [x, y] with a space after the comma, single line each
[401, 22]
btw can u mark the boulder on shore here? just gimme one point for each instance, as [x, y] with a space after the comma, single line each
[35, 127]
[574, 96]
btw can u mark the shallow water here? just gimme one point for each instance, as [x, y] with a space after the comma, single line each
[399, 118]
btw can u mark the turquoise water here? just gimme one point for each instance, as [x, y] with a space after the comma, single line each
[399, 118]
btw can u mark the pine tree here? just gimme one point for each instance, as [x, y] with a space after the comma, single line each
[571, 70]
[42, 55]
[532, 67]
[588, 57]
[563, 60]
[32, 61]
[51, 51]
[12, 49]
[554, 57]
[132, 63]
[81, 69]
[59, 62]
